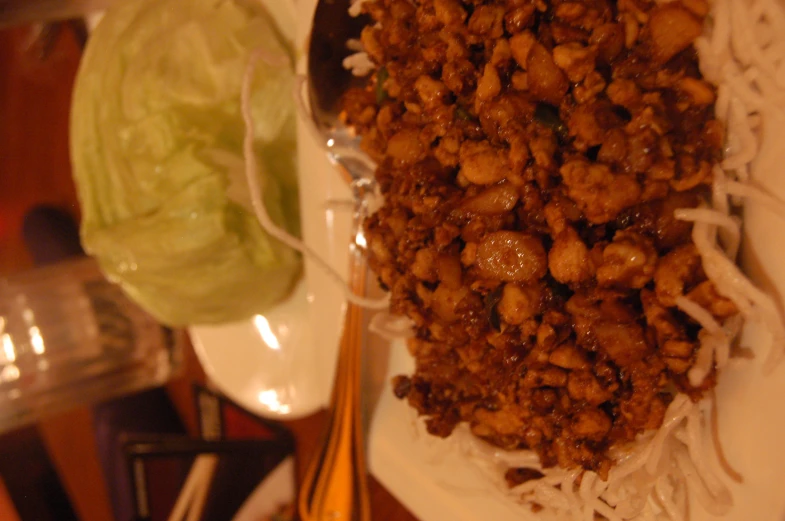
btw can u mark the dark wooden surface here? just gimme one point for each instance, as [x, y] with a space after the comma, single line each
[34, 168]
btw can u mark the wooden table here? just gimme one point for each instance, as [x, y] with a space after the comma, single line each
[306, 431]
[70, 444]
[34, 169]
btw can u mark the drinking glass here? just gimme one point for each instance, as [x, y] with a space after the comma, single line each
[68, 336]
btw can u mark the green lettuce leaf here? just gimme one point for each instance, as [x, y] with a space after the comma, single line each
[156, 148]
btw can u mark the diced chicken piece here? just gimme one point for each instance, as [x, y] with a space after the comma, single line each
[593, 84]
[449, 12]
[672, 29]
[469, 254]
[445, 301]
[575, 60]
[677, 269]
[370, 40]
[567, 356]
[629, 261]
[489, 84]
[519, 152]
[379, 250]
[592, 424]
[483, 164]
[614, 147]
[405, 147]
[487, 21]
[548, 376]
[520, 80]
[690, 173]
[521, 45]
[631, 29]
[705, 295]
[585, 126]
[547, 82]
[448, 271]
[672, 232]
[599, 193]
[624, 93]
[640, 147]
[512, 257]
[568, 260]
[609, 40]
[677, 348]
[645, 408]
[501, 53]
[543, 149]
[570, 11]
[432, 93]
[624, 343]
[446, 152]
[699, 8]
[424, 265]
[507, 420]
[663, 170]
[699, 91]
[519, 303]
[658, 317]
[677, 365]
[584, 386]
[519, 18]
[544, 399]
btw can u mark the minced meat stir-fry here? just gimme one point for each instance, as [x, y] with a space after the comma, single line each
[531, 154]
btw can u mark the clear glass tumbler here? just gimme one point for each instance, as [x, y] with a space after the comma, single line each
[70, 337]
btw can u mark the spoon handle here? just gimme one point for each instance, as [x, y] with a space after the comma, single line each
[335, 487]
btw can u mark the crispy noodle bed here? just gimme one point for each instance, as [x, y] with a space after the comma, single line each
[741, 54]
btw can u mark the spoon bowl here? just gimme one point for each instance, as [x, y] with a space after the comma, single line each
[327, 82]
[328, 79]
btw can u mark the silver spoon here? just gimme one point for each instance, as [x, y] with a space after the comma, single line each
[335, 487]
[328, 80]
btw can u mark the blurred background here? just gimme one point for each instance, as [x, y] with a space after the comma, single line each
[50, 470]
[37, 72]
[64, 467]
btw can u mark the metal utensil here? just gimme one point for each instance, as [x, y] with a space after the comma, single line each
[335, 486]
[328, 80]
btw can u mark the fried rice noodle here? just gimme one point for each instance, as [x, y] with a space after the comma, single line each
[645, 481]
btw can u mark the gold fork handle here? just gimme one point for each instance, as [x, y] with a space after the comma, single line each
[335, 487]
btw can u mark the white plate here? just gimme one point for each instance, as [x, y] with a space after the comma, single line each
[424, 473]
[275, 491]
[281, 364]
[430, 478]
